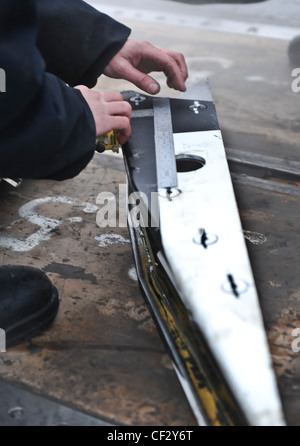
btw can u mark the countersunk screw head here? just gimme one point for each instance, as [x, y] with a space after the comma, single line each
[170, 193]
[16, 412]
[137, 99]
[197, 106]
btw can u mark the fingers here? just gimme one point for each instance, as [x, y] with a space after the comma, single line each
[122, 124]
[140, 79]
[120, 108]
[115, 115]
[120, 113]
[174, 67]
[110, 112]
[180, 61]
[111, 96]
[151, 58]
[138, 58]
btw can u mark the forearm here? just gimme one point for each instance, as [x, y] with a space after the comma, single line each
[77, 41]
[46, 128]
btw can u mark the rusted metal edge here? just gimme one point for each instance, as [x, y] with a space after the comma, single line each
[205, 387]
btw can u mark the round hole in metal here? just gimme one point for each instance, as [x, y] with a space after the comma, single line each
[189, 163]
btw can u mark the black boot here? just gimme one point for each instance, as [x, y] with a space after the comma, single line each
[28, 302]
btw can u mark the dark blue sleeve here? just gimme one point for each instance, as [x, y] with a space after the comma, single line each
[46, 127]
[76, 40]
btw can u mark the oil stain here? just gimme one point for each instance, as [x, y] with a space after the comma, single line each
[70, 272]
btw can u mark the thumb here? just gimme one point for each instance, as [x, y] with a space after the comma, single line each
[141, 80]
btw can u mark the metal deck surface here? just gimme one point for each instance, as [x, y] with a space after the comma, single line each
[103, 357]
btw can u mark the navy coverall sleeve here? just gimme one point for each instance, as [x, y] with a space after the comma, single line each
[46, 127]
[76, 40]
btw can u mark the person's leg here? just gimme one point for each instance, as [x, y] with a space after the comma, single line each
[28, 302]
[294, 52]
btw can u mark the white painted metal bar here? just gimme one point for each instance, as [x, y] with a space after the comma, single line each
[204, 245]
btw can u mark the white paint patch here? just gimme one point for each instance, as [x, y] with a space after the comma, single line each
[46, 224]
[110, 239]
[275, 284]
[13, 223]
[90, 208]
[75, 219]
[196, 64]
[224, 62]
[255, 237]
[273, 82]
[254, 78]
[132, 273]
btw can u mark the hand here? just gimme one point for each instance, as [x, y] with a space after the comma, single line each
[137, 58]
[110, 112]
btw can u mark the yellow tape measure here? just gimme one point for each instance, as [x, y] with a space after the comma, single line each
[108, 142]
